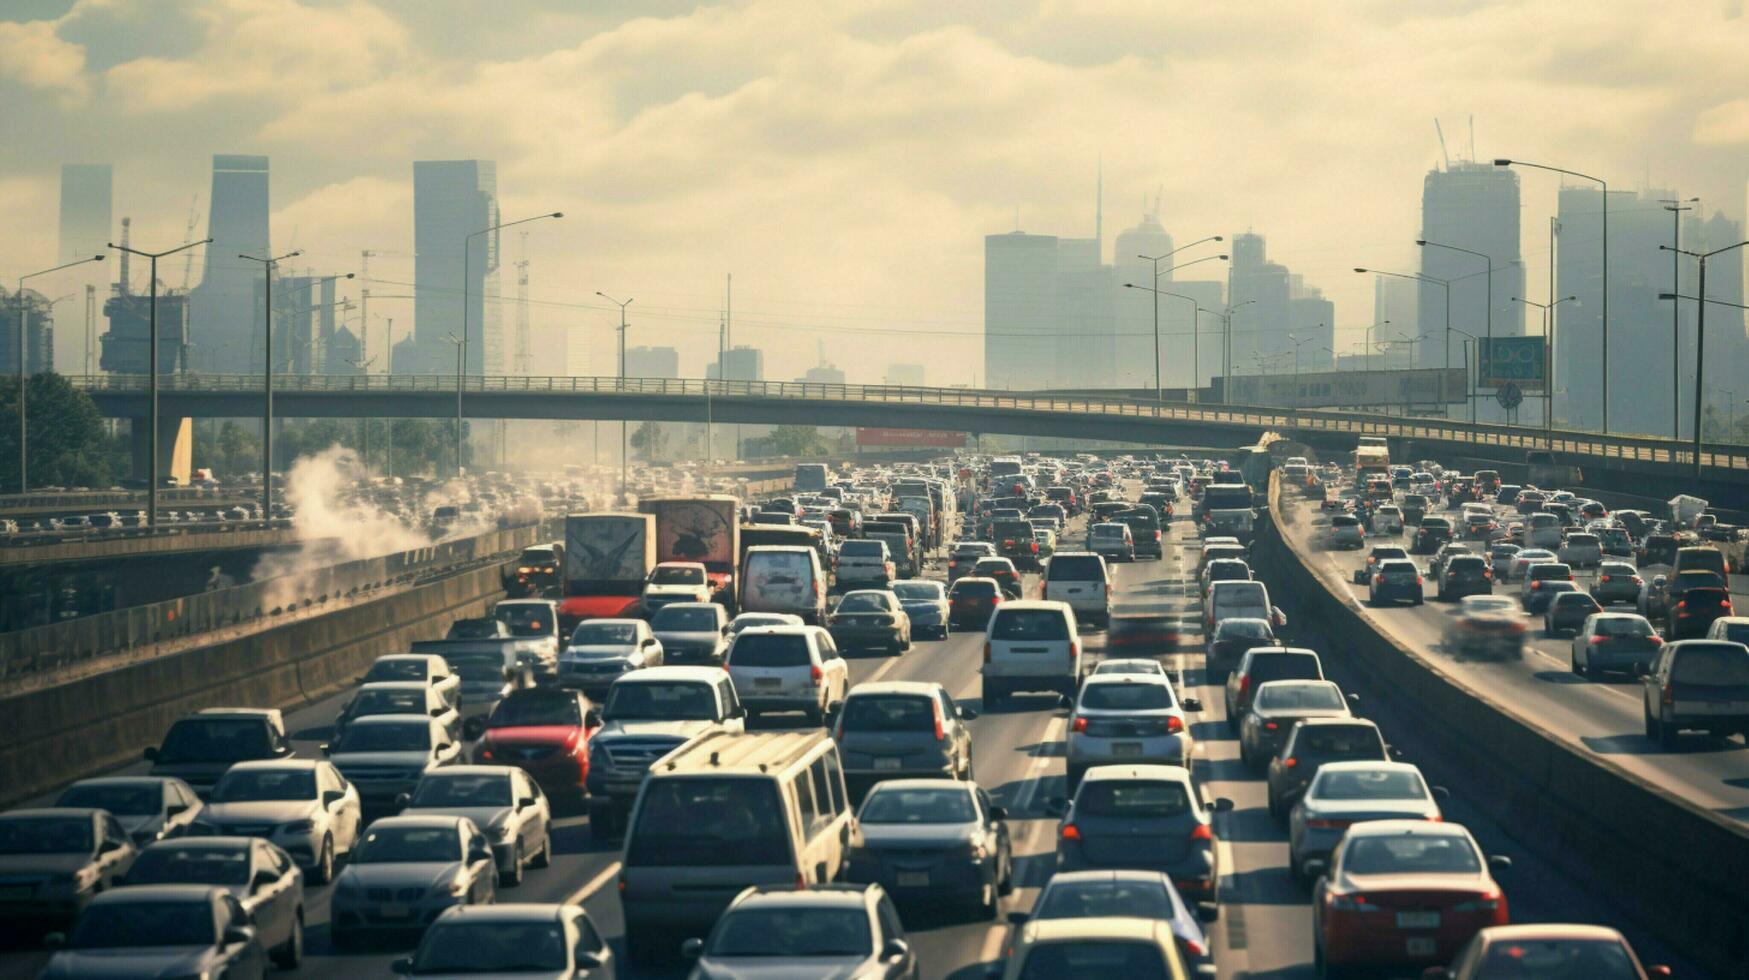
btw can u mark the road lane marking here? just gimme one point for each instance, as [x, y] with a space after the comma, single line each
[593, 885]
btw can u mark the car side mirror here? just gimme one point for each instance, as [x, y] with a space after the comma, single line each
[509, 673]
[592, 718]
[150, 755]
[1207, 911]
[403, 800]
[403, 966]
[1499, 862]
[895, 949]
[238, 934]
[998, 813]
[175, 809]
[692, 948]
[1353, 699]
[109, 847]
[1065, 702]
[1221, 805]
[332, 797]
[473, 728]
[525, 802]
[263, 879]
[1192, 705]
[649, 641]
[1057, 805]
[1394, 752]
[966, 714]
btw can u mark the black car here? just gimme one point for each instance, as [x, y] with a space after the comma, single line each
[1433, 532]
[1232, 637]
[1463, 575]
[1693, 614]
[1567, 612]
[1144, 525]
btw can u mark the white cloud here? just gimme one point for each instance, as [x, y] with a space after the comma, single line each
[32, 55]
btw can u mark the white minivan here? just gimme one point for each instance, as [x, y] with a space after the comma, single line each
[1239, 598]
[1080, 579]
[1031, 645]
[784, 579]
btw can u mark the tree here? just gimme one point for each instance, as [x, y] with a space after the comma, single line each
[650, 440]
[797, 440]
[67, 442]
[236, 450]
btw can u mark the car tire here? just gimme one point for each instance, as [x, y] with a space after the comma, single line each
[544, 858]
[1668, 739]
[291, 952]
[992, 696]
[513, 877]
[323, 870]
[1579, 670]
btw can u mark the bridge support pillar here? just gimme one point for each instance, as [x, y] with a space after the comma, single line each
[175, 448]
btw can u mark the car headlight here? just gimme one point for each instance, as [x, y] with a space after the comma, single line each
[298, 827]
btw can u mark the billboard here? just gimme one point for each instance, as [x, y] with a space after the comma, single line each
[910, 437]
[1346, 389]
[1519, 360]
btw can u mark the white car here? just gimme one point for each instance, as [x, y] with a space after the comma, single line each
[601, 650]
[787, 668]
[1130, 665]
[748, 620]
[1582, 549]
[385, 755]
[1387, 519]
[676, 581]
[304, 805]
[1031, 645]
[503, 801]
[1123, 719]
[424, 668]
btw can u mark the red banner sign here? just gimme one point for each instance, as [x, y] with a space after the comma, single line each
[910, 437]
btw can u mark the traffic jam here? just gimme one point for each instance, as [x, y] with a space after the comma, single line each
[978, 716]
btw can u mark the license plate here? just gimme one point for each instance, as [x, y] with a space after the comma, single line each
[1124, 750]
[767, 682]
[886, 763]
[16, 892]
[1421, 947]
[1418, 920]
[913, 879]
[395, 910]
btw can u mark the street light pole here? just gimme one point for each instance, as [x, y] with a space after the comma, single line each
[152, 374]
[1424, 243]
[1676, 207]
[1700, 337]
[1227, 335]
[1605, 185]
[1470, 372]
[623, 472]
[23, 324]
[1444, 284]
[1196, 366]
[1548, 314]
[267, 269]
[467, 268]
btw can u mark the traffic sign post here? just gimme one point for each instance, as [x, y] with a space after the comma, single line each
[1509, 395]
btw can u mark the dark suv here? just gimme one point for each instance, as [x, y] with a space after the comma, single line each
[1144, 525]
[1261, 665]
[1463, 575]
[1014, 541]
[1433, 532]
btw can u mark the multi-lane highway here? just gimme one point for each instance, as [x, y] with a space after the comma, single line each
[1265, 929]
[1602, 715]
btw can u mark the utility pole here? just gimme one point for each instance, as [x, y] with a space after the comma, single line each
[624, 474]
[268, 266]
[151, 371]
[1700, 301]
[1676, 207]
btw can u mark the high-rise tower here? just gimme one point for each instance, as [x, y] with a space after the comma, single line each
[453, 199]
[225, 317]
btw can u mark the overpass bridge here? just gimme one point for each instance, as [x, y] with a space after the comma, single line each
[1649, 463]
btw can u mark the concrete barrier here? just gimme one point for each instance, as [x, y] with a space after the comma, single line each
[97, 722]
[1680, 869]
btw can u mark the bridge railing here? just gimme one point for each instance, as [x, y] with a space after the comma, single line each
[1629, 447]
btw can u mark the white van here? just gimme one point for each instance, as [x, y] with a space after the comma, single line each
[721, 813]
[784, 578]
[1031, 645]
[1080, 579]
[1542, 531]
[1238, 598]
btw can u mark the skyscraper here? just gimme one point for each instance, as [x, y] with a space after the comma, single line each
[224, 316]
[1398, 300]
[1135, 307]
[453, 199]
[1473, 206]
[86, 216]
[1260, 297]
[1020, 289]
[652, 362]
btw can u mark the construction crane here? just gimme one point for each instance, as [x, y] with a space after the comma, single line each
[364, 302]
[520, 357]
[188, 260]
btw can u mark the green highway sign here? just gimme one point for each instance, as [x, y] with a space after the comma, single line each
[1518, 360]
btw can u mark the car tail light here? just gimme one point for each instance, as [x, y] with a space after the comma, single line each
[485, 753]
[1069, 832]
[1603, 578]
[1418, 580]
[1290, 762]
[1537, 584]
[940, 733]
[1270, 726]
[817, 674]
[1669, 694]
[1485, 902]
[1202, 832]
[1657, 640]
[1079, 725]
[1244, 683]
[1639, 581]
[1074, 649]
[1597, 641]
[1174, 725]
[1351, 903]
[1320, 823]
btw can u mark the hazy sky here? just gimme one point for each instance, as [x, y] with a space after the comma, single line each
[845, 159]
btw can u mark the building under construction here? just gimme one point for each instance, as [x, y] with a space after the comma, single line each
[129, 315]
[39, 332]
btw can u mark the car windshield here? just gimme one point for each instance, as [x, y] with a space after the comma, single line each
[1144, 898]
[69, 834]
[1029, 624]
[683, 619]
[1558, 959]
[1735, 632]
[994, 568]
[537, 707]
[889, 713]
[1109, 530]
[747, 826]
[1410, 854]
[1576, 600]
[397, 669]
[124, 925]
[1125, 696]
[862, 549]
[917, 591]
[462, 789]
[792, 932]
[121, 800]
[250, 785]
[649, 701]
[473, 629]
[385, 738]
[1139, 798]
[526, 620]
[388, 702]
[215, 740]
[949, 803]
[1316, 696]
[864, 602]
[408, 845]
[494, 947]
[973, 590]
[1243, 628]
[484, 665]
[603, 634]
[677, 576]
[1127, 959]
[769, 650]
[171, 864]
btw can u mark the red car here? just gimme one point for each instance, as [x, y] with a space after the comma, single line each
[972, 601]
[1546, 950]
[545, 731]
[1402, 893]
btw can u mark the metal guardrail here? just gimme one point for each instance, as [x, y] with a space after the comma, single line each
[1640, 448]
[36, 539]
[47, 647]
